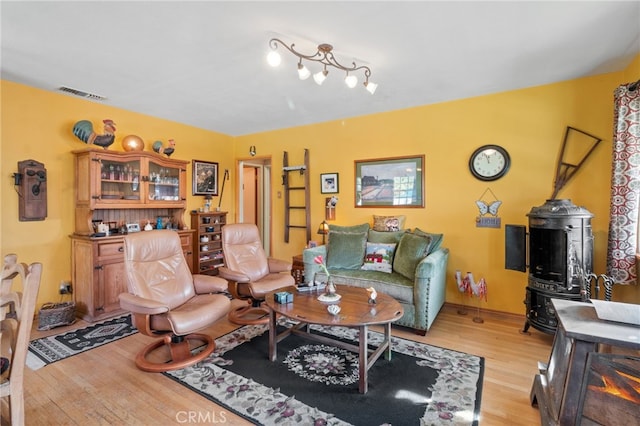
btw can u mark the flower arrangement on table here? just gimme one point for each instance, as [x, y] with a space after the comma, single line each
[331, 289]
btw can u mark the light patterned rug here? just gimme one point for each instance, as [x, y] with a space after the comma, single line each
[50, 349]
[317, 384]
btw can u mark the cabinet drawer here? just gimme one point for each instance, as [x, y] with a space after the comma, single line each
[110, 249]
[185, 240]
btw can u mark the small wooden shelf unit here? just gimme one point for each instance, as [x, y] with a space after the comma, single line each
[208, 255]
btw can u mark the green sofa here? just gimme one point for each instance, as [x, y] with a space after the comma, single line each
[414, 273]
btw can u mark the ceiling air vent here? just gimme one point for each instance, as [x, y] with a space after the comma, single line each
[81, 93]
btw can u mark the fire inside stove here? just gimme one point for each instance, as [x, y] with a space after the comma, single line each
[611, 394]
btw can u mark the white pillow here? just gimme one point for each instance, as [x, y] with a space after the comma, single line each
[378, 257]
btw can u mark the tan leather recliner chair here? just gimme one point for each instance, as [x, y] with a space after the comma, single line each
[165, 298]
[250, 273]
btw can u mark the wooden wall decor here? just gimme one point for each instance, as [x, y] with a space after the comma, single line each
[577, 146]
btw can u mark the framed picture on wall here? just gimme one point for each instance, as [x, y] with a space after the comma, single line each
[329, 183]
[390, 182]
[205, 178]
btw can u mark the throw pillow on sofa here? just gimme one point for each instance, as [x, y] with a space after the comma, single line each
[378, 257]
[436, 239]
[388, 223]
[385, 237]
[346, 246]
[412, 248]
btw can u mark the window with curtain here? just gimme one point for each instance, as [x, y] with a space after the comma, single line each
[625, 186]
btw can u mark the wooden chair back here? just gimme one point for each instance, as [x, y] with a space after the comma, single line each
[16, 318]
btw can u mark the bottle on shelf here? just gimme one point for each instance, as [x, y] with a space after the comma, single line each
[136, 180]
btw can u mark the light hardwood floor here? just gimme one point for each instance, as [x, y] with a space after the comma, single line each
[103, 386]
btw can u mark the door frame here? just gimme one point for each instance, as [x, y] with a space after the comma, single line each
[264, 188]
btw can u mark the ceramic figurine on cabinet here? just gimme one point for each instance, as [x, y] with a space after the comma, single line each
[83, 130]
[166, 150]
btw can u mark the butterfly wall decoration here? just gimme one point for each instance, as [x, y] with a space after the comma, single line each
[488, 217]
[490, 208]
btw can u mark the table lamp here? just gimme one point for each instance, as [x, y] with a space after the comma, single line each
[323, 230]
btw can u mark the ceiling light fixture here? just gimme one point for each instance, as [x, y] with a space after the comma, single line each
[324, 56]
[303, 72]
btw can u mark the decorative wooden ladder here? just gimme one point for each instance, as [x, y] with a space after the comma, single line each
[288, 188]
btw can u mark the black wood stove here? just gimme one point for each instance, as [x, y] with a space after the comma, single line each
[560, 256]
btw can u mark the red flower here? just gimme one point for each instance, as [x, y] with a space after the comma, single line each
[320, 261]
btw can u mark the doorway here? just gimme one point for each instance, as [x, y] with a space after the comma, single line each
[254, 196]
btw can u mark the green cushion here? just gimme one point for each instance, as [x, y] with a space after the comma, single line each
[346, 246]
[412, 248]
[385, 237]
[436, 239]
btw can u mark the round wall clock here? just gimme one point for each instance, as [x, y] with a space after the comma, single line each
[489, 162]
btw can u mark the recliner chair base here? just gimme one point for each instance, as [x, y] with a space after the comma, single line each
[249, 315]
[181, 355]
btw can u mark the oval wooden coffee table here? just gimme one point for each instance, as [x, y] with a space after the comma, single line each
[355, 312]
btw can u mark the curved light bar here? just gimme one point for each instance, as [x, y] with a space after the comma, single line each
[324, 56]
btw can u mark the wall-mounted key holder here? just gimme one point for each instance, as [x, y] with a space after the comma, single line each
[31, 183]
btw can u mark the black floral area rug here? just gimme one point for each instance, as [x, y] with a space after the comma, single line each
[50, 349]
[316, 384]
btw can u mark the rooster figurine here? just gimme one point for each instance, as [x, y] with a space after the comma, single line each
[83, 130]
[168, 150]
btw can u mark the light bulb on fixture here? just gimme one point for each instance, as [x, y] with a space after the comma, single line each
[320, 77]
[273, 58]
[303, 72]
[351, 81]
[371, 87]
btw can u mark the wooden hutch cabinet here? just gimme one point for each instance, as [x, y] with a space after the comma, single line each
[207, 243]
[119, 189]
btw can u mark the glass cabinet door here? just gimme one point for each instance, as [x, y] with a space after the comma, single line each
[119, 179]
[164, 182]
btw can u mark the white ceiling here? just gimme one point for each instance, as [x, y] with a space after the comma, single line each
[203, 63]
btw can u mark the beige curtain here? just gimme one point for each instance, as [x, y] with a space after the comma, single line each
[625, 185]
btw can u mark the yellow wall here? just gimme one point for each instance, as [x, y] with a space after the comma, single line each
[529, 123]
[36, 124]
